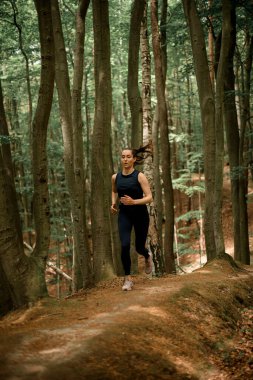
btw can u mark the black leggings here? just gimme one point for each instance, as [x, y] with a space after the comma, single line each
[129, 217]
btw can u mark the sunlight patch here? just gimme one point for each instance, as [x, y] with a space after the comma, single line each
[150, 310]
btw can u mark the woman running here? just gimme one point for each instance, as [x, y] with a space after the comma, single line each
[133, 190]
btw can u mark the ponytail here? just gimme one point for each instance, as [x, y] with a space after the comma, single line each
[142, 153]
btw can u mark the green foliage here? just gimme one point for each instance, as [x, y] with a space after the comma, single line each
[188, 216]
[7, 139]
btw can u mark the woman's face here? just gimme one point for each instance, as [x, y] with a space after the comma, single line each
[127, 159]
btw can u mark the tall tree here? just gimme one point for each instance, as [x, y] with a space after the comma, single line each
[219, 132]
[24, 277]
[153, 235]
[244, 149]
[82, 263]
[165, 147]
[207, 109]
[101, 144]
[231, 124]
[82, 272]
[39, 134]
[134, 98]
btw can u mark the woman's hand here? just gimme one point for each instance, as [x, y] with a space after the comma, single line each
[114, 209]
[127, 201]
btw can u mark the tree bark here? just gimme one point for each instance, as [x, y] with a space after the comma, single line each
[133, 92]
[153, 235]
[82, 273]
[232, 130]
[227, 26]
[157, 178]
[39, 136]
[207, 108]
[13, 262]
[7, 160]
[101, 145]
[165, 147]
[243, 156]
[83, 263]
[6, 303]
[25, 277]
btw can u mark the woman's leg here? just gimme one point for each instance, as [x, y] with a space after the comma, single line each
[141, 224]
[125, 228]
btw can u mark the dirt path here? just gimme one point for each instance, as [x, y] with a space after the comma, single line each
[167, 328]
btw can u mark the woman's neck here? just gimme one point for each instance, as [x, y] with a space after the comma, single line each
[127, 171]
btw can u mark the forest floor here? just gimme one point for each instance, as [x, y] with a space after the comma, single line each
[196, 325]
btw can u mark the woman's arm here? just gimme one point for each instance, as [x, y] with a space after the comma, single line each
[114, 195]
[126, 200]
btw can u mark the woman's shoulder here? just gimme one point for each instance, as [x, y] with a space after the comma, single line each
[141, 177]
[139, 174]
[114, 176]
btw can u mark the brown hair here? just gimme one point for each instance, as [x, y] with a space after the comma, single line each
[141, 153]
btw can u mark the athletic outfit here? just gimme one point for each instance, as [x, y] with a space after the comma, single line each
[131, 216]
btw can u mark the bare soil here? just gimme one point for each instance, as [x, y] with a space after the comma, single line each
[197, 325]
[175, 327]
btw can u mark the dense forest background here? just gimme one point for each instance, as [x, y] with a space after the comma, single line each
[80, 81]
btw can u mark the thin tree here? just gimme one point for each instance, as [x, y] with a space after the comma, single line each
[207, 109]
[82, 263]
[133, 93]
[81, 271]
[101, 145]
[154, 239]
[41, 207]
[233, 141]
[165, 147]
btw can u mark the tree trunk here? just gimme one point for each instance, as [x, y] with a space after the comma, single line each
[82, 274]
[165, 147]
[207, 108]
[244, 157]
[6, 303]
[153, 235]
[227, 26]
[157, 178]
[133, 93]
[211, 46]
[100, 175]
[39, 136]
[13, 262]
[7, 160]
[232, 131]
[82, 268]
[25, 277]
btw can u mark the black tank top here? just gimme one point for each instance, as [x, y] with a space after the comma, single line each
[129, 185]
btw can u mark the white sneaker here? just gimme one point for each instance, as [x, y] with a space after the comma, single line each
[127, 285]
